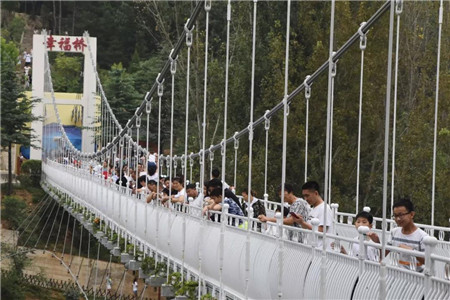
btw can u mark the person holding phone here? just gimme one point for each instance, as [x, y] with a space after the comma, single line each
[298, 208]
[310, 191]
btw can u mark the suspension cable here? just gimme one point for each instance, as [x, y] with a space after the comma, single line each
[283, 164]
[266, 154]
[203, 163]
[327, 153]
[71, 244]
[43, 204]
[433, 186]
[79, 251]
[398, 11]
[35, 226]
[382, 284]
[35, 209]
[65, 236]
[45, 225]
[51, 230]
[236, 147]
[307, 97]
[250, 150]
[59, 229]
[362, 47]
[96, 269]
[333, 75]
[189, 38]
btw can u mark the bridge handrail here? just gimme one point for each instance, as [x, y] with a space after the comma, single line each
[284, 228]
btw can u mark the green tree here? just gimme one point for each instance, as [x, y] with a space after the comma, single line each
[66, 73]
[122, 96]
[16, 107]
[11, 280]
[13, 211]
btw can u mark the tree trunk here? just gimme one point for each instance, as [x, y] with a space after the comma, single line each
[54, 17]
[60, 16]
[9, 191]
[73, 17]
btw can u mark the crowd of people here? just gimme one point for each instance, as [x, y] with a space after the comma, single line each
[297, 212]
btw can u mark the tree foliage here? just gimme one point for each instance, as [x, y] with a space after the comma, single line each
[13, 211]
[16, 107]
[67, 72]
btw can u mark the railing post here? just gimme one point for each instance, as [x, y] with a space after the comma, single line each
[225, 217]
[334, 210]
[266, 199]
[362, 230]
[315, 227]
[221, 251]
[250, 214]
[430, 243]
[279, 218]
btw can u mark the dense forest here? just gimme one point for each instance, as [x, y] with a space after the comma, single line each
[134, 40]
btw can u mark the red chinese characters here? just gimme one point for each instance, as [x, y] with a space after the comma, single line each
[79, 44]
[50, 42]
[64, 44]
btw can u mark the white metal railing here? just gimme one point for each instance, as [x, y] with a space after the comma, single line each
[160, 230]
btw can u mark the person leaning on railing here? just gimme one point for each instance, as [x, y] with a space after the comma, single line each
[407, 235]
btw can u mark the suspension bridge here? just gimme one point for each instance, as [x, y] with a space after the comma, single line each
[228, 260]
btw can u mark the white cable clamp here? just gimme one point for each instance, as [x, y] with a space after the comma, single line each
[191, 160]
[173, 63]
[160, 85]
[250, 131]
[201, 157]
[362, 37]
[148, 106]
[333, 66]
[211, 153]
[398, 7]
[182, 161]
[287, 106]
[307, 87]
[236, 141]
[188, 33]
[207, 5]
[266, 120]
[222, 147]
[138, 121]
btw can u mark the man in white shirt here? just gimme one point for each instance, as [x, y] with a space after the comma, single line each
[310, 192]
[180, 196]
[191, 191]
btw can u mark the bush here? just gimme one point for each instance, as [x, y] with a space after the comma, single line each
[72, 294]
[32, 168]
[15, 29]
[13, 210]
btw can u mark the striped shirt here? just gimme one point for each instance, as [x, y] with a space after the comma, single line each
[413, 240]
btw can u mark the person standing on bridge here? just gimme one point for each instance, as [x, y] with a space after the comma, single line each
[298, 208]
[255, 203]
[310, 191]
[407, 235]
